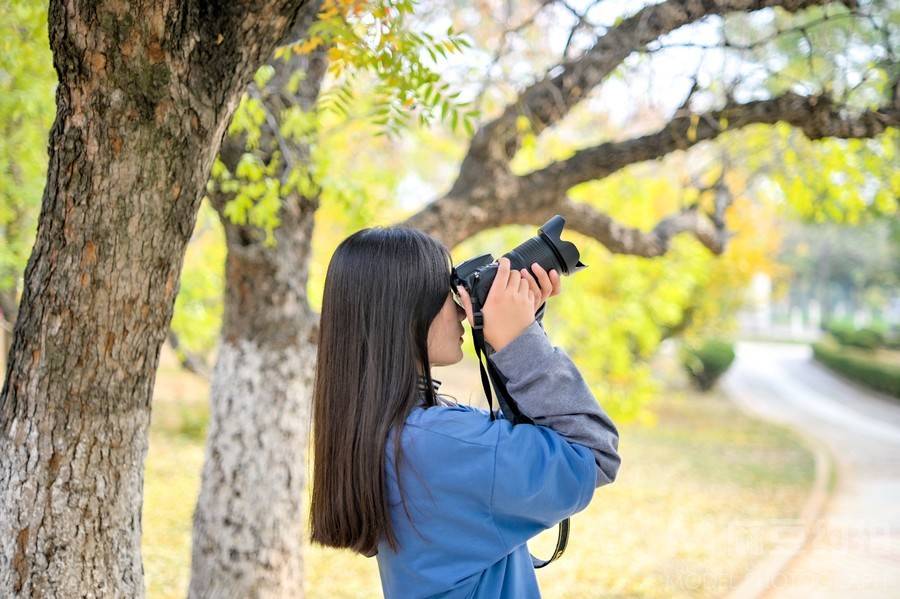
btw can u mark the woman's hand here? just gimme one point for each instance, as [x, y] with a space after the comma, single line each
[511, 302]
[546, 285]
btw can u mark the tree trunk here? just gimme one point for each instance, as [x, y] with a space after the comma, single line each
[142, 105]
[248, 532]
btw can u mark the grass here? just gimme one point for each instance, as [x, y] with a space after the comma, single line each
[172, 478]
[171, 483]
[683, 516]
[701, 495]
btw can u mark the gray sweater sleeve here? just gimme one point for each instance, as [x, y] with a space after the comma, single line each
[549, 389]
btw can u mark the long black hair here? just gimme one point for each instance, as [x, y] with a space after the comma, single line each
[383, 287]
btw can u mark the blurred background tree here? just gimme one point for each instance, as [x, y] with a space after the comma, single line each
[27, 82]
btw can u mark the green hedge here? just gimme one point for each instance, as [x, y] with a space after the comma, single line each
[878, 375]
[841, 330]
[869, 338]
[705, 364]
[892, 339]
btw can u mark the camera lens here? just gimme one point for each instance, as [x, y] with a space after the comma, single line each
[547, 249]
[531, 251]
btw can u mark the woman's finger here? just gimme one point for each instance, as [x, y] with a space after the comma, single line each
[532, 282]
[467, 303]
[533, 287]
[544, 280]
[501, 279]
[515, 277]
[524, 285]
[557, 282]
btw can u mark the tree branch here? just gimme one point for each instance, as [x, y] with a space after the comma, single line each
[501, 48]
[190, 362]
[549, 99]
[498, 198]
[214, 36]
[817, 116]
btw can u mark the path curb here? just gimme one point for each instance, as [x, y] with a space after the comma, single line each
[763, 576]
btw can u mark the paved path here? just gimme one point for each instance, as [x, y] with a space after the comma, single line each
[854, 550]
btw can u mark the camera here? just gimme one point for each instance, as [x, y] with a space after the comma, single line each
[546, 248]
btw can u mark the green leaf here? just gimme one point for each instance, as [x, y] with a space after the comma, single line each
[469, 127]
[249, 167]
[263, 75]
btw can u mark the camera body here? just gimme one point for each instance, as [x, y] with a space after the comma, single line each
[546, 248]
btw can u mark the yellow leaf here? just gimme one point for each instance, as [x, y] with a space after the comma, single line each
[692, 130]
[335, 68]
[328, 10]
[307, 45]
[522, 123]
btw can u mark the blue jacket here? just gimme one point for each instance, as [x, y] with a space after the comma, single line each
[477, 489]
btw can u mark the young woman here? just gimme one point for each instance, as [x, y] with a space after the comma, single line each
[470, 491]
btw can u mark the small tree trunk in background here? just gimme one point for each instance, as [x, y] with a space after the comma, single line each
[142, 105]
[249, 531]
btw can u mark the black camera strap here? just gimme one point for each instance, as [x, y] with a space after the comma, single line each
[512, 413]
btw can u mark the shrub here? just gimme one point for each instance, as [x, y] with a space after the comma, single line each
[845, 333]
[841, 330]
[892, 338]
[706, 363]
[878, 375]
[865, 338]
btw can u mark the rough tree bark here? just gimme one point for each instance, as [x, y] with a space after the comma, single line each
[248, 531]
[259, 394]
[145, 93]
